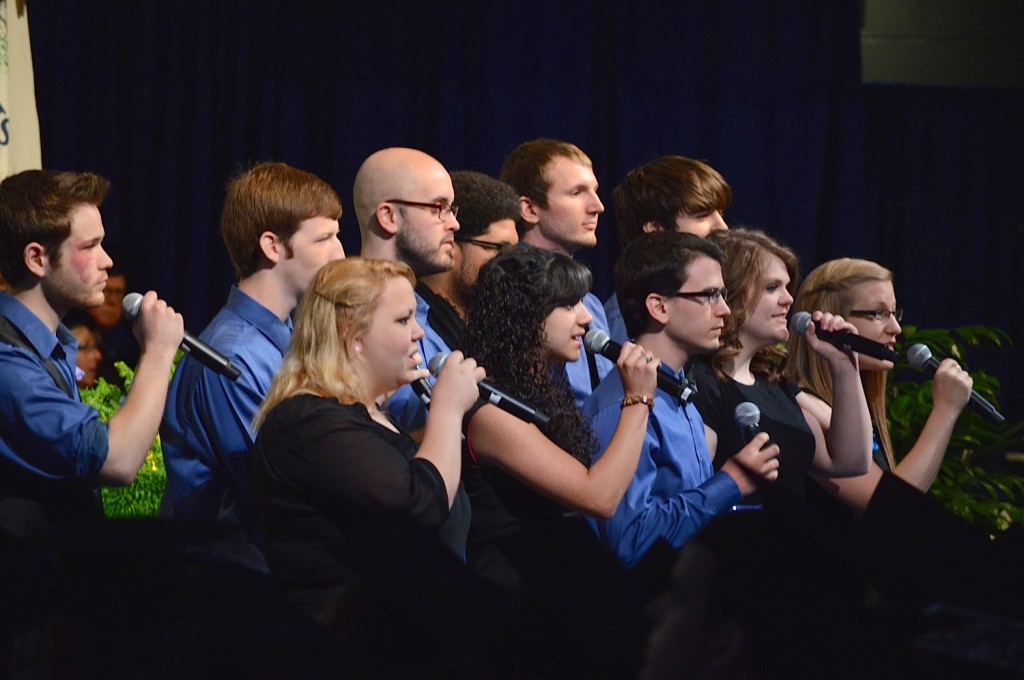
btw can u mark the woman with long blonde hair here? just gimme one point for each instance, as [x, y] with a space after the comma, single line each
[862, 291]
[340, 487]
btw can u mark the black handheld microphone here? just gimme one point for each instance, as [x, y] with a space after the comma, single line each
[422, 388]
[598, 342]
[494, 395]
[920, 357]
[192, 345]
[844, 340]
[748, 417]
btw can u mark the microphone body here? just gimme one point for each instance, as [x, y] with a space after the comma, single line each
[422, 388]
[748, 418]
[191, 345]
[598, 342]
[920, 357]
[495, 395]
[844, 340]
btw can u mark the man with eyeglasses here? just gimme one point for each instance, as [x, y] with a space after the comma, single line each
[672, 294]
[487, 213]
[559, 210]
[280, 226]
[405, 205]
[670, 193]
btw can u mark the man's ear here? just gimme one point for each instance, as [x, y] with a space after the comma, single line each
[656, 308]
[35, 258]
[272, 247]
[652, 226]
[528, 210]
[387, 218]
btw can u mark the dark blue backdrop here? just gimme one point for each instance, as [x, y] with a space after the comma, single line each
[167, 99]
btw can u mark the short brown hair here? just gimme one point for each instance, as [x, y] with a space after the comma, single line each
[272, 197]
[36, 207]
[524, 169]
[663, 189]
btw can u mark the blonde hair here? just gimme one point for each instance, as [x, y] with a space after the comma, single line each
[745, 273]
[338, 308]
[831, 288]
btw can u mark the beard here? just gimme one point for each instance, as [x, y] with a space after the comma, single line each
[424, 257]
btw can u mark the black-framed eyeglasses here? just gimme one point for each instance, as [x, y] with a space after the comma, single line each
[486, 245]
[442, 210]
[711, 296]
[880, 315]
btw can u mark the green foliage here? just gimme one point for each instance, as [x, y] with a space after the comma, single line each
[142, 497]
[968, 483]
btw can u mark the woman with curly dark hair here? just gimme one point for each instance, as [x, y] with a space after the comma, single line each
[526, 320]
[761, 277]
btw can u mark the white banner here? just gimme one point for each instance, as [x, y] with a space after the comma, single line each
[19, 120]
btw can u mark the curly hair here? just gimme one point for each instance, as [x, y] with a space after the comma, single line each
[747, 252]
[514, 295]
[831, 287]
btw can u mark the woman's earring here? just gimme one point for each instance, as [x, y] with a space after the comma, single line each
[359, 348]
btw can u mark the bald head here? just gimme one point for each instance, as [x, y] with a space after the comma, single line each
[387, 185]
[392, 173]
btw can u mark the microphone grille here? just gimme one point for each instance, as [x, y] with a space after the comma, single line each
[596, 340]
[130, 305]
[436, 363]
[918, 355]
[798, 324]
[747, 414]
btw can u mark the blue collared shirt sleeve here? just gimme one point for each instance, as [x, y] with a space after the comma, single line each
[674, 492]
[44, 430]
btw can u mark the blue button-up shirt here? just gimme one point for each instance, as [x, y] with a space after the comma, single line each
[207, 430]
[616, 325]
[404, 405]
[44, 431]
[675, 491]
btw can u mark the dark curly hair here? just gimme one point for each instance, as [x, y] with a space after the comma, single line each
[505, 333]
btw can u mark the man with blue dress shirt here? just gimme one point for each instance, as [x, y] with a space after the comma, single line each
[671, 193]
[280, 226]
[406, 208]
[487, 212]
[673, 302]
[54, 451]
[558, 210]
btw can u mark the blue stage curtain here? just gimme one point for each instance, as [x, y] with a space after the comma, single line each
[167, 99]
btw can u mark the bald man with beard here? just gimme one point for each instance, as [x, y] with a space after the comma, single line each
[405, 206]
[406, 209]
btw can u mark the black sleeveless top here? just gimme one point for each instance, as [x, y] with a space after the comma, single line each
[781, 417]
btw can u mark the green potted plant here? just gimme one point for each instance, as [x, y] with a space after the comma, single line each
[972, 482]
[142, 497]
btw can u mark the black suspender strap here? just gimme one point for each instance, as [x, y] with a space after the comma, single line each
[595, 379]
[10, 334]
